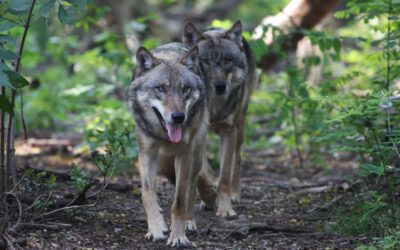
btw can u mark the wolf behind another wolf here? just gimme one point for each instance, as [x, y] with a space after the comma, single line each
[228, 66]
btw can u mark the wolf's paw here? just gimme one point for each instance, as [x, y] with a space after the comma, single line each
[206, 207]
[155, 236]
[178, 241]
[226, 212]
[235, 197]
[157, 230]
[225, 205]
[191, 225]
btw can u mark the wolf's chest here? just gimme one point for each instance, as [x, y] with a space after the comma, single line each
[222, 108]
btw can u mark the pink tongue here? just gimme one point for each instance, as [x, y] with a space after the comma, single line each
[174, 132]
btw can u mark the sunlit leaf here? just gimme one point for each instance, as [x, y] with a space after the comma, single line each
[11, 79]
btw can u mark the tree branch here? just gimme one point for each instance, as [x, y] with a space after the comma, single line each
[297, 15]
[10, 133]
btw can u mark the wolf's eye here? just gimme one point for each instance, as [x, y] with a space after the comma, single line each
[161, 89]
[186, 90]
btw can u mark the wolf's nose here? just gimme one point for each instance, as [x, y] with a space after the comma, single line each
[178, 117]
[220, 87]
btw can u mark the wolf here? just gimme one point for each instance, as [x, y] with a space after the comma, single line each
[168, 99]
[229, 68]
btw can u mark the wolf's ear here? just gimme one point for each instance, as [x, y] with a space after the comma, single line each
[235, 33]
[145, 60]
[191, 59]
[191, 35]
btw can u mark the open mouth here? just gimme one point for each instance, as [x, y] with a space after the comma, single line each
[174, 131]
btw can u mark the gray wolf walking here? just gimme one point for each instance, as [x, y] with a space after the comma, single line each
[229, 68]
[169, 99]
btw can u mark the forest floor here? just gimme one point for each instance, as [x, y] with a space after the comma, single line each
[283, 206]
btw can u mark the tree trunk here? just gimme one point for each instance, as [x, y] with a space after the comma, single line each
[297, 15]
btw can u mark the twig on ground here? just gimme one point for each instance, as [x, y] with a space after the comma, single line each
[313, 190]
[23, 226]
[46, 202]
[278, 228]
[230, 232]
[328, 205]
[34, 202]
[9, 241]
[19, 205]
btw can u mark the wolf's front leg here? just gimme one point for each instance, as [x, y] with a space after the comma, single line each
[194, 172]
[228, 152]
[148, 162]
[179, 208]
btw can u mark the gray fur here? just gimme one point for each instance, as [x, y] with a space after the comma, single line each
[225, 57]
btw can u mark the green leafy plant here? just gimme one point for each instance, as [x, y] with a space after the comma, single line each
[365, 123]
[81, 179]
[112, 151]
[36, 181]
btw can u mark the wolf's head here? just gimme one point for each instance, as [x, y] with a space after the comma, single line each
[167, 91]
[221, 55]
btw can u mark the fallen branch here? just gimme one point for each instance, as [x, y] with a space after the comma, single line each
[61, 143]
[328, 205]
[313, 190]
[70, 206]
[242, 229]
[26, 226]
[18, 203]
[260, 227]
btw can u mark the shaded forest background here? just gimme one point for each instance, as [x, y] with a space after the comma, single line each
[327, 97]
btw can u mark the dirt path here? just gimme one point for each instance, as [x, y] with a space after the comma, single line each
[282, 207]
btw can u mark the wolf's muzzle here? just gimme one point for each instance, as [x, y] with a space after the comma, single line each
[220, 87]
[178, 117]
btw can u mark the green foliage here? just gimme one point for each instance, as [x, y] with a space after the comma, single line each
[80, 178]
[37, 181]
[296, 105]
[366, 217]
[13, 18]
[366, 124]
[5, 104]
[389, 242]
[342, 110]
[114, 149]
[255, 10]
